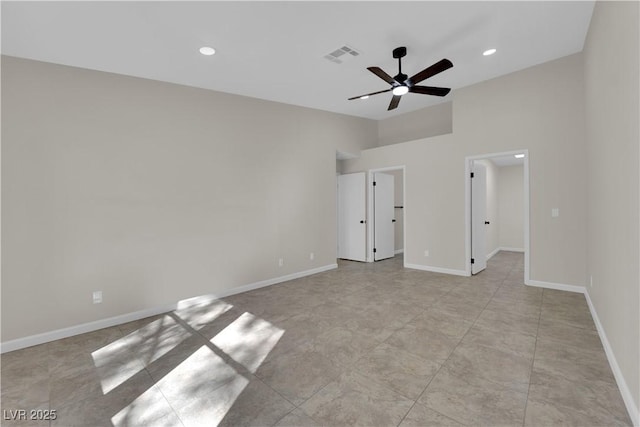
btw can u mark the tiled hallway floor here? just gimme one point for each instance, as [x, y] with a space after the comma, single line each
[366, 344]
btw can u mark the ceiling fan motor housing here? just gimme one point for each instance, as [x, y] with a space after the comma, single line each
[402, 84]
[402, 79]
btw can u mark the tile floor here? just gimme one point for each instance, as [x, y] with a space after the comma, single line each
[366, 344]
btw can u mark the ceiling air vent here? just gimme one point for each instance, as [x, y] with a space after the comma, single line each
[342, 54]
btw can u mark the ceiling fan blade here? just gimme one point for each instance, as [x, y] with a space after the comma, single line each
[394, 102]
[384, 76]
[430, 90]
[369, 94]
[436, 68]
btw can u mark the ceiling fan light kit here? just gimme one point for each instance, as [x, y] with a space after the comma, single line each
[400, 90]
[402, 84]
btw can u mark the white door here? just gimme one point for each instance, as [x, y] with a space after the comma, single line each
[478, 217]
[352, 229]
[383, 216]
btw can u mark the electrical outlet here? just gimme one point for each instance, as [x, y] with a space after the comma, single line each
[312, 256]
[97, 297]
[426, 253]
[555, 212]
[281, 262]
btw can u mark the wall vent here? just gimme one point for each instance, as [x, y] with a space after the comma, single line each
[342, 54]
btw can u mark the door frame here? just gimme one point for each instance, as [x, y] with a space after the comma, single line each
[467, 206]
[370, 208]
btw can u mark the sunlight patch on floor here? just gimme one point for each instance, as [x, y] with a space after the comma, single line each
[248, 340]
[205, 380]
[147, 409]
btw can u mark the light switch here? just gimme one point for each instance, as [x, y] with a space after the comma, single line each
[555, 212]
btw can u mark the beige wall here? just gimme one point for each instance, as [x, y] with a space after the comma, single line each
[549, 121]
[611, 91]
[423, 123]
[153, 192]
[511, 207]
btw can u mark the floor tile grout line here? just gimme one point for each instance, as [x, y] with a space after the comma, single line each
[449, 356]
[284, 416]
[533, 360]
[166, 400]
[506, 277]
[457, 345]
[252, 375]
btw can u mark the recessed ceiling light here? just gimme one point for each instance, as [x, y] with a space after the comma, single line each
[206, 50]
[518, 156]
[364, 97]
[400, 90]
[489, 52]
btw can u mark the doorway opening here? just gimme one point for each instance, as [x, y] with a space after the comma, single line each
[496, 208]
[386, 202]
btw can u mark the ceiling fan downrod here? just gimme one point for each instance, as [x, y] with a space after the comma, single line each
[400, 52]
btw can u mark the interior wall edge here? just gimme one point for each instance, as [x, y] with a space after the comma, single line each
[625, 391]
[45, 337]
[436, 269]
[556, 286]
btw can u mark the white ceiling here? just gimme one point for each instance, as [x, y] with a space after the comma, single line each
[510, 160]
[275, 50]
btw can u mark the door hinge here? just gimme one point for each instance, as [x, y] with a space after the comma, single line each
[473, 261]
[471, 174]
[374, 250]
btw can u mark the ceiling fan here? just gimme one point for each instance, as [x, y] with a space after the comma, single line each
[401, 83]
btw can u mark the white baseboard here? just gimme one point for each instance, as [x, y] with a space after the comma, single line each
[557, 286]
[83, 328]
[489, 256]
[251, 286]
[627, 397]
[502, 248]
[399, 251]
[436, 269]
[57, 334]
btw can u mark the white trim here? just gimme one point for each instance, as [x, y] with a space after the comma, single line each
[527, 224]
[467, 204]
[627, 397]
[370, 172]
[398, 251]
[256, 285]
[370, 256]
[57, 334]
[557, 286]
[436, 269]
[489, 256]
[511, 249]
[83, 328]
